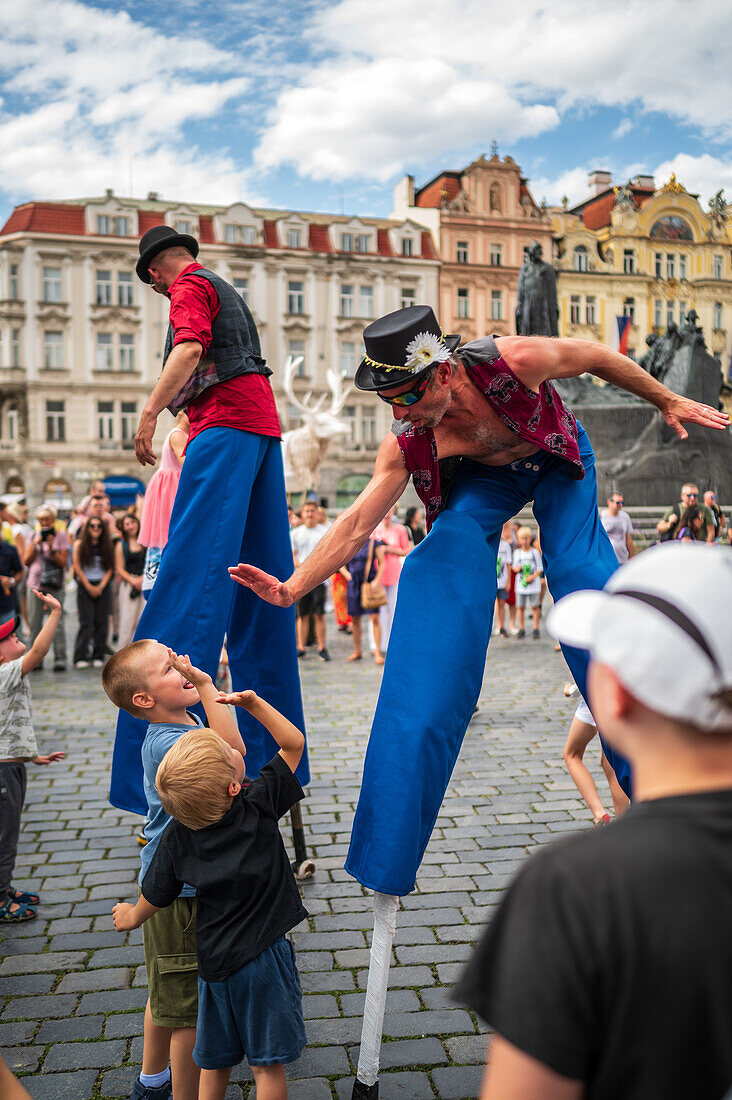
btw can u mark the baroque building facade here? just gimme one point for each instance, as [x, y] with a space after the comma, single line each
[81, 338]
[647, 253]
[484, 218]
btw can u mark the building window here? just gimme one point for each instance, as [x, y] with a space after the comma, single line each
[717, 315]
[128, 424]
[496, 255]
[55, 421]
[181, 225]
[590, 309]
[105, 422]
[348, 412]
[104, 351]
[368, 427]
[682, 312]
[241, 286]
[346, 242]
[408, 297]
[104, 288]
[718, 267]
[347, 300]
[581, 258]
[53, 350]
[126, 352]
[669, 312]
[296, 348]
[294, 238]
[462, 252]
[240, 234]
[463, 302]
[658, 264]
[657, 313]
[14, 282]
[362, 242]
[407, 246]
[104, 225]
[295, 297]
[15, 347]
[11, 422]
[52, 284]
[629, 309]
[628, 261]
[366, 301]
[670, 265]
[121, 227]
[496, 305]
[348, 358]
[682, 266]
[574, 309]
[124, 288]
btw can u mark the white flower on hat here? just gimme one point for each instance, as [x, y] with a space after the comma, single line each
[424, 349]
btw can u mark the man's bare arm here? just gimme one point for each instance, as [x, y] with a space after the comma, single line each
[513, 1075]
[537, 359]
[343, 540]
[179, 367]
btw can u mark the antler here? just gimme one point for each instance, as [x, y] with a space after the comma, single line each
[339, 394]
[291, 366]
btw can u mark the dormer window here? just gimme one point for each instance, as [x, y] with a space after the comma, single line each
[104, 225]
[121, 226]
[240, 234]
[182, 225]
[346, 242]
[407, 246]
[294, 238]
[581, 258]
[362, 242]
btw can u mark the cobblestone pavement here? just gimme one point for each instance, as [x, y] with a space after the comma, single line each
[72, 990]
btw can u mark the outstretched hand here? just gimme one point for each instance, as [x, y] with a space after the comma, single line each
[49, 758]
[50, 601]
[680, 410]
[245, 699]
[262, 584]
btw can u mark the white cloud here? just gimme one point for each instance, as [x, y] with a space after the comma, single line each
[702, 175]
[572, 183]
[404, 81]
[623, 128]
[98, 98]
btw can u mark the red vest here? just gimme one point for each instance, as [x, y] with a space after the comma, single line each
[538, 418]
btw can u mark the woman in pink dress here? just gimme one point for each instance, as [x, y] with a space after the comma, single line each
[396, 547]
[159, 498]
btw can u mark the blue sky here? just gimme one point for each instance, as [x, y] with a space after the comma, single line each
[324, 105]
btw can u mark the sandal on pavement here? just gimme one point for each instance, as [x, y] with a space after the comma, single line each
[21, 913]
[23, 896]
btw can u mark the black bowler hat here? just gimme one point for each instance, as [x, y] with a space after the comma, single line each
[157, 240]
[402, 346]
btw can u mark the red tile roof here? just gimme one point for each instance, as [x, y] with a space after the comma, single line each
[383, 243]
[149, 218]
[445, 186]
[319, 238]
[271, 239]
[46, 217]
[428, 250]
[595, 212]
[206, 233]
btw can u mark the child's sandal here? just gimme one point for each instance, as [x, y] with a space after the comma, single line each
[24, 912]
[23, 896]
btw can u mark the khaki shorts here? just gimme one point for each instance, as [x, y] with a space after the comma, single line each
[169, 938]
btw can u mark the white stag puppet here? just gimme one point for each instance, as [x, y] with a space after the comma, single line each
[304, 448]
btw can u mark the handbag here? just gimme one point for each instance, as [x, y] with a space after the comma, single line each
[52, 574]
[373, 593]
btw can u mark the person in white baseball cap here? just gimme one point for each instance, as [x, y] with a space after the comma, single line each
[605, 971]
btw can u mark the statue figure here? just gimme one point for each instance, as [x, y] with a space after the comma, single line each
[304, 448]
[537, 313]
[624, 198]
[646, 361]
[718, 208]
[691, 330]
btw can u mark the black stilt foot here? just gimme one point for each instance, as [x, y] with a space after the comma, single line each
[364, 1092]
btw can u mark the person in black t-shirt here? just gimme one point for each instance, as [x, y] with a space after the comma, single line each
[226, 842]
[607, 970]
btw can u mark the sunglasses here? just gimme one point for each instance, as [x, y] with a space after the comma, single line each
[95, 526]
[409, 397]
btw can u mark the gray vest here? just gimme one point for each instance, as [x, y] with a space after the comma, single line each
[234, 348]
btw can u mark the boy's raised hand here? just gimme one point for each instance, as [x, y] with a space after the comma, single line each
[183, 664]
[245, 699]
[50, 758]
[50, 601]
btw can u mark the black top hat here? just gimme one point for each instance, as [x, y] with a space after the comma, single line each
[157, 240]
[402, 346]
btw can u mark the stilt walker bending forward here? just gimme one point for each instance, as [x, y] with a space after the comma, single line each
[492, 405]
[230, 503]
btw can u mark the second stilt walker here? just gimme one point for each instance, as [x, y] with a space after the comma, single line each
[491, 408]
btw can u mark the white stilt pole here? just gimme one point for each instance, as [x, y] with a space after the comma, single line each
[366, 1084]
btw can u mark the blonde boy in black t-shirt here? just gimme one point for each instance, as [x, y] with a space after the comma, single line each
[605, 972]
[225, 841]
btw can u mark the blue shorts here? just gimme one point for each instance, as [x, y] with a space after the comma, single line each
[256, 1012]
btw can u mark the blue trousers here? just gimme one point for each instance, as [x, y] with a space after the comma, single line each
[436, 657]
[230, 507]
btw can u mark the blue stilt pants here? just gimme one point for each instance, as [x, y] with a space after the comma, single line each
[230, 507]
[436, 657]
